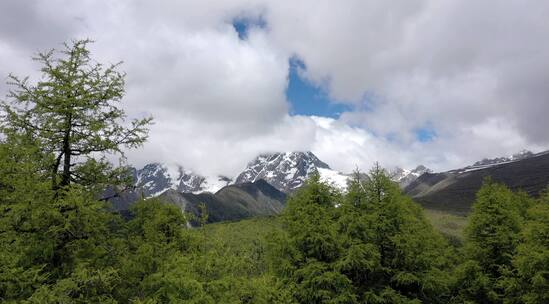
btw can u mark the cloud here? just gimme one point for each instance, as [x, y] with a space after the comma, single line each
[450, 64]
[473, 73]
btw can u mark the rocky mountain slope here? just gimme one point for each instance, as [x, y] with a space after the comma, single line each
[259, 189]
[155, 178]
[454, 191]
[404, 177]
[289, 171]
[285, 171]
[233, 202]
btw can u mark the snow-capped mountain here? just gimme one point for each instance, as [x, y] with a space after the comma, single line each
[493, 161]
[404, 176]
[288, 171]
[152, 179]
[490, 162]
[155, 178]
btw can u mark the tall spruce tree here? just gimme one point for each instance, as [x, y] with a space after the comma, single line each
[532, 258]
[74, 113]
[54, 136]
[491, 241]
[412, 256]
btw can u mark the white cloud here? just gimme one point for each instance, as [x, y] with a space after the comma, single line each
[450, 65]
[475, 72]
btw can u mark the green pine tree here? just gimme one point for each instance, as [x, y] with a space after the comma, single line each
[74, 113]
[62, 248]
[532, 258]
[491, 241]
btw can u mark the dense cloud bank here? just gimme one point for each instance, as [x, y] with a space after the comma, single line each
[472, 74]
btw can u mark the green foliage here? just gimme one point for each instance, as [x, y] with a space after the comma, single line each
[532, 258]
[372, 245]
[492, 234]
[58, 241]
[492, 237]
[57, 247]
[197, 266]
[73, 113]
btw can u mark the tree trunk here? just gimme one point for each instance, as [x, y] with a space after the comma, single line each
[66, 176]
[55, 171]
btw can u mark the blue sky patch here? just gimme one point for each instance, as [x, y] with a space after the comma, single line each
[307, 98]
[242, 25]
[426, 134]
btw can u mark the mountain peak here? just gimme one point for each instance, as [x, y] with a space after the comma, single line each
[421, 169]
[292, 157]
[487, 162]
[155, 178]
[287, 171]
[404, 176]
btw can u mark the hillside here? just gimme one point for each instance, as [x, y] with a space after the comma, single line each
[454, 191]
[231, 203]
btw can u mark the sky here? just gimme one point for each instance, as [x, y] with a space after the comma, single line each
[403, 83]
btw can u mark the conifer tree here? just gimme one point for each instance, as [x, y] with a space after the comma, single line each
[412, 256]
[312, 246]
[74, 113]
[371, 246]
[492, 237]
[54, 134]
[532, 258]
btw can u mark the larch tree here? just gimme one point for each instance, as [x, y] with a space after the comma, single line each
[491, 240]
[74, 113]
[532, 258]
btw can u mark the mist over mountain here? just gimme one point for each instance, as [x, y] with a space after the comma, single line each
[259, 190]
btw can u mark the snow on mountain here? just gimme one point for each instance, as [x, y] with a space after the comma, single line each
[288, 171]
[490, 162]
[404, 177]
[337, 179]
[213, 184]
[454, 191]
[153, 179]
[494, 161]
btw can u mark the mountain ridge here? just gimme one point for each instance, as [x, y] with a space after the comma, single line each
[287, 171]
[454, 190]
[232, 202]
